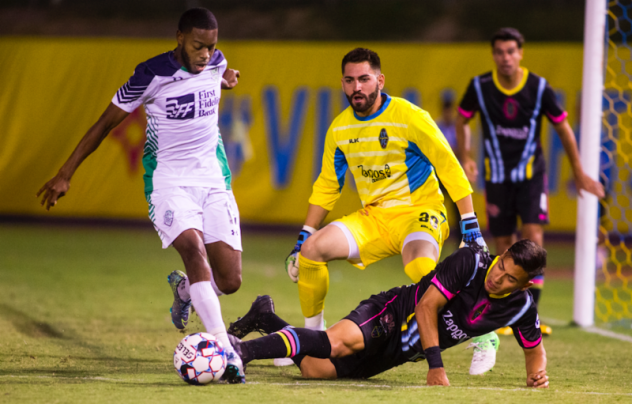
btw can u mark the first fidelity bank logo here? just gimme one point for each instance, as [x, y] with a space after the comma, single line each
[182, 107]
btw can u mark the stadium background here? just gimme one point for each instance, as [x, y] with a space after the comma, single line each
[273, 123]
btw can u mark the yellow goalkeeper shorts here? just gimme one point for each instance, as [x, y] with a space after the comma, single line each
[382, 232]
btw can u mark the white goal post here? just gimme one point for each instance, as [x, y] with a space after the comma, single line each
[590, 147]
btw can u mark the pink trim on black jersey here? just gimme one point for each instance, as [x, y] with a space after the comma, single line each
[529, 344]
[557, 119]
[449, 295]
[467, 114]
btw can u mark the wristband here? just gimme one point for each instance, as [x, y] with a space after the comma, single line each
[309, 229]
[433, 357]
[468, 215]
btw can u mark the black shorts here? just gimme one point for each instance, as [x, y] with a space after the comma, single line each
[507, 201]
[380, 323]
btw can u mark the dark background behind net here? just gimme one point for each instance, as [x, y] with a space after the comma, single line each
[342, 20]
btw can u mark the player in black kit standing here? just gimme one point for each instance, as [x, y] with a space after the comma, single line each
[469, 294]
[511, 102]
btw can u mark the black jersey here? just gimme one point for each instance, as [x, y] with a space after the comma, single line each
[470, 311]
[511, 121]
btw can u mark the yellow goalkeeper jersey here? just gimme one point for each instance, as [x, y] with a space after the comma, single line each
[395, 156]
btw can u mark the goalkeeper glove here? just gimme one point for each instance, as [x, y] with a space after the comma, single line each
[291, 262]
[471, 232]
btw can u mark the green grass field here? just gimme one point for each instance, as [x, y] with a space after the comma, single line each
[84, 317]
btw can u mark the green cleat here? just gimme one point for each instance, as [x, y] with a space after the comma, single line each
[484, 357]
[180, 309]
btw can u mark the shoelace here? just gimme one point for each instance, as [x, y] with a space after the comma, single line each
[478, 346]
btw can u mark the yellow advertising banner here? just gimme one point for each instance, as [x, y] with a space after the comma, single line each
[273, 123]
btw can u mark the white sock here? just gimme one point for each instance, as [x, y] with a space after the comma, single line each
[183, 288]
[316, 323]
[208, 309]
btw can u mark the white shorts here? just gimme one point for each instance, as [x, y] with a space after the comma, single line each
[210, 210]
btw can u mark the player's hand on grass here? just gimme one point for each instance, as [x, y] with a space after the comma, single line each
[437, 377]
[53, 190]
[538, 380]
[585, 183]
[291, 262]
[230, 79]
[471, 169]
[472, 236]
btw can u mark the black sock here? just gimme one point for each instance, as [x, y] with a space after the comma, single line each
[298, 359]
[288, 342]
[270, 323]
[536, 294]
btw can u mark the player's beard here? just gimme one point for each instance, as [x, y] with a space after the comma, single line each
[370, 100]
[187, 61]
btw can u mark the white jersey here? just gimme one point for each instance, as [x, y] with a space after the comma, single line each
[184, 146]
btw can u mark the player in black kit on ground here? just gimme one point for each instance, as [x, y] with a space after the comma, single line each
[469, 294]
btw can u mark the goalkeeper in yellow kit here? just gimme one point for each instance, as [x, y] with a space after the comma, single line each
[395, 152]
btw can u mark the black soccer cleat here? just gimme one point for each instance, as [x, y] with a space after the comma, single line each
[252, 320]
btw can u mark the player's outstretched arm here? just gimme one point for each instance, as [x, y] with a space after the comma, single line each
[582, 181]
[535, 360]
[60, 183]
[463, 139]
[230, 79]
[427, 317]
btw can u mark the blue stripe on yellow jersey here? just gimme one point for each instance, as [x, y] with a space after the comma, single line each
[395, 156]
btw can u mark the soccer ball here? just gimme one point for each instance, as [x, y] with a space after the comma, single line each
[200, 359]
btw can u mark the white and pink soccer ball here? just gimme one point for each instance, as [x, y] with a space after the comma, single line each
[200, 359]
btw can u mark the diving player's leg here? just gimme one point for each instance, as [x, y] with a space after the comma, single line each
[345, 338]
[327, 244]
[309, 349]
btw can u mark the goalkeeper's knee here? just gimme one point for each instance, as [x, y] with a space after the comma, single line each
[419, 267]
[313, 285]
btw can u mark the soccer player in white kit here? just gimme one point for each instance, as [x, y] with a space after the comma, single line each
[187, 179]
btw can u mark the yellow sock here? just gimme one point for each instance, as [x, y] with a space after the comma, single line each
[313, 284]
[419, 267]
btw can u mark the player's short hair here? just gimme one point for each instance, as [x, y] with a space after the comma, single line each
[529, 256]
[359, 55]
[508, 34]
[197, 18]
